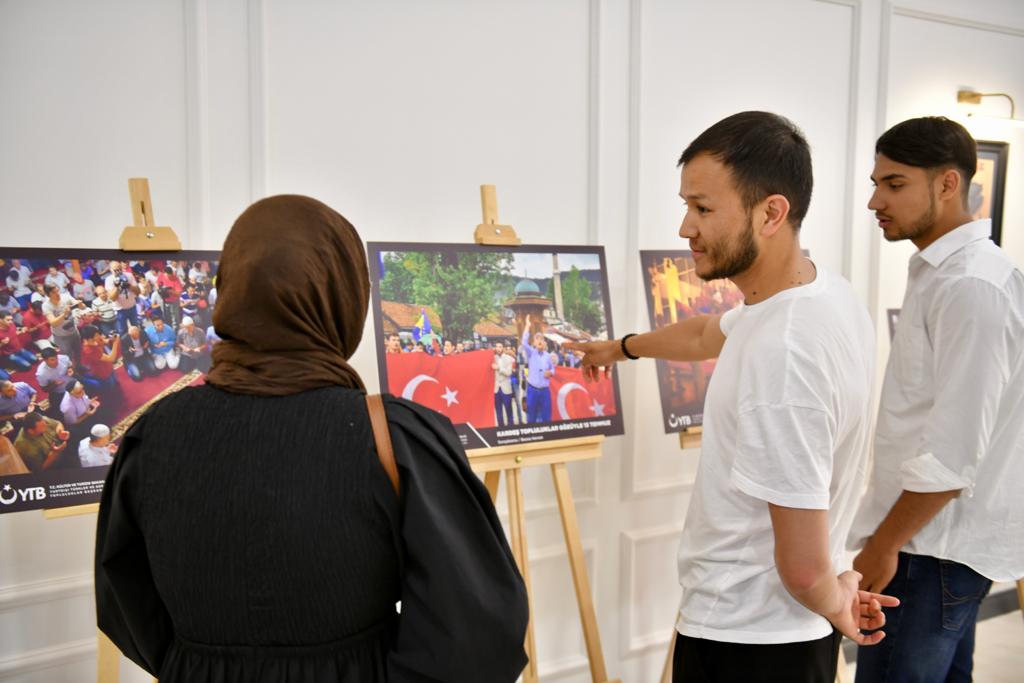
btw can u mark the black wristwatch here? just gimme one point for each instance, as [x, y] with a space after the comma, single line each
[625, 351]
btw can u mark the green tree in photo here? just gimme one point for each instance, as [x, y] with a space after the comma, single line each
[461, 287]
[578, 303]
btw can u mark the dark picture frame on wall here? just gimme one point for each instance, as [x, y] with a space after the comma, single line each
[988, 187]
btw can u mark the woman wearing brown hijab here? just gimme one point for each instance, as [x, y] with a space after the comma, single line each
[247, 530]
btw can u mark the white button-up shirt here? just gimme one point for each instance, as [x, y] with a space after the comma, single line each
[952, 406]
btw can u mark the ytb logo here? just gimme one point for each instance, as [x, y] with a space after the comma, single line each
[10, 495]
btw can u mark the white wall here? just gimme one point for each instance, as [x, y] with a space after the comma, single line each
[394, 113]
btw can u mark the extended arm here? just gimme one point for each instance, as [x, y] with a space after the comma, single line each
[693, 339]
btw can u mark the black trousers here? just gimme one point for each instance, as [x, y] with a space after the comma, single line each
[709, 661]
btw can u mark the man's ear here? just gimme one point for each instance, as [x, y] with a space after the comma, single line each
[773, 213]
[950, 184]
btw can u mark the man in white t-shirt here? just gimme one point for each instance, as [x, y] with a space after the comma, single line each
[943, 516]
[786, 420]
[96, 450]
[123, 290]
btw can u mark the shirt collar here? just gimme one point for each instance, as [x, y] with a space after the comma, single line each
[955, 240]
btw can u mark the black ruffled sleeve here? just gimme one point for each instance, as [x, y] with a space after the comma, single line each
[464, 604]
[128, 608]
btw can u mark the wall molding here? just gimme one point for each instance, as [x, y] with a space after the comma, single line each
[197, 122]
[851, 130]
[953, 20]
[47, 657]
[594, 121]
[634, 487]
[632, 643]
[258, 135]
[20, 595]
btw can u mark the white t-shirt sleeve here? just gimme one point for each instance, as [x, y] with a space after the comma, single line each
[728, 319]
[786, 429]
[784, 455]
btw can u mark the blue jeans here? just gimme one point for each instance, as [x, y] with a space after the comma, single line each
[929, 638]
[22, 359]
[125, 317]
[538, 404]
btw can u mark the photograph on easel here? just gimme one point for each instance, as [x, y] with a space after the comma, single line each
[674, 292]
[89, 339]
[476, 333]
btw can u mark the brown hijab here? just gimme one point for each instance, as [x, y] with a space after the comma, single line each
[292, 294]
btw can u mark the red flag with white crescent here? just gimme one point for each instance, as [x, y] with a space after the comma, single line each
[573, 398]
[460, 387]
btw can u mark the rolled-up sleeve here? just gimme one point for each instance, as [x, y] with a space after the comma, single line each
[972, 328]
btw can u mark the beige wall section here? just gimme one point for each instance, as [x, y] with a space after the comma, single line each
[394, 113]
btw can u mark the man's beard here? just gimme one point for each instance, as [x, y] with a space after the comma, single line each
[919, 227]
[732, 258]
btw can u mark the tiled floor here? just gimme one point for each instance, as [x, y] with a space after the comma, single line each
[999, 653]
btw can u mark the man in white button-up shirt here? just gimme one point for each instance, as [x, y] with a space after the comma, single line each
[944, 514]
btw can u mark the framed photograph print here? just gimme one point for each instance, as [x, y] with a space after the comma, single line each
[477, 333]
[989, 185]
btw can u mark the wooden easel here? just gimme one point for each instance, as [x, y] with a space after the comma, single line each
[142, 236]
[511, 460]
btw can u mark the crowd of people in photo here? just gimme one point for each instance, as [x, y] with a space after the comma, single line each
[71, 324]
[522, 369]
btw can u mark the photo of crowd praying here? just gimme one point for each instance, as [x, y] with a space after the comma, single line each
[87, 344]
[675, 292]
[479, 335]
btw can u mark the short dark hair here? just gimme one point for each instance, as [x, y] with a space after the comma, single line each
[49, 352]
[766, 154]
[933, 143]
[36, 305]
[32, 419]
[49, 288]
[89, 331]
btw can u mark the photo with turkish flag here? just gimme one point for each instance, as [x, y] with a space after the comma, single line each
[477, 333]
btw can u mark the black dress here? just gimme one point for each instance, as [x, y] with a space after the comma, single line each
[244, 538]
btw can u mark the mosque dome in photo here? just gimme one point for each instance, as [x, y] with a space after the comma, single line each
[527, 288]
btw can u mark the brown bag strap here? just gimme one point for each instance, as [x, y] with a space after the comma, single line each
[382, 438]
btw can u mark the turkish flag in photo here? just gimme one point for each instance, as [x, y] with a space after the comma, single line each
[573, 398]
[460, 387]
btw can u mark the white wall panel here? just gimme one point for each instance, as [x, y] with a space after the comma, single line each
[93, 93]
[650, 590]
[927, 63]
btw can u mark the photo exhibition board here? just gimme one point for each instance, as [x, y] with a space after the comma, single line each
[674, 292]
[477, 333]
[89, 339]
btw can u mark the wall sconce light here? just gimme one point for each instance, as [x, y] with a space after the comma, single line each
[973, 97]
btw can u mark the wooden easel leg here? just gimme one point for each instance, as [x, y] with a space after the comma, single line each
[491, 480]
[517, 529]
[841, 676]
[571, 528]
[108, 660]
[666, 671]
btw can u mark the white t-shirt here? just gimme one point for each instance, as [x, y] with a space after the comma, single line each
[786, 422]
[92, 456]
